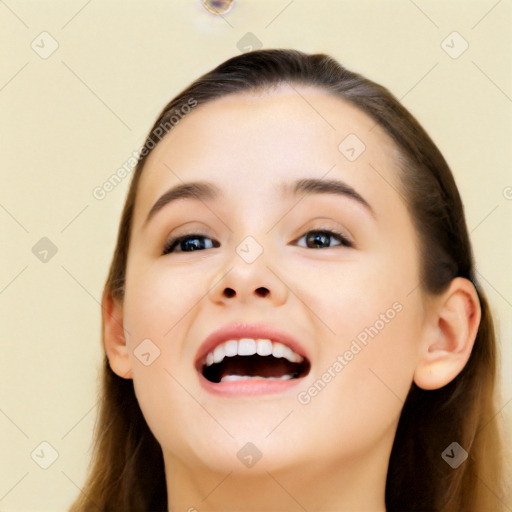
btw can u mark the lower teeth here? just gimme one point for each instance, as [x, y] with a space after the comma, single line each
[231, 378]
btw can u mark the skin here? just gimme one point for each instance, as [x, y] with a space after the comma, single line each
[331, 453]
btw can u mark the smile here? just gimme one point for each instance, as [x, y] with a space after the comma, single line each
[241, 358]
[246, 358]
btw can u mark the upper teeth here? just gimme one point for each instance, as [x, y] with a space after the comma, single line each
[249, 347]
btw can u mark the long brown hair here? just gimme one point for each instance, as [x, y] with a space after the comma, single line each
[127, 470]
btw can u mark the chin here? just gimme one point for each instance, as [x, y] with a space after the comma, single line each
[247, 454]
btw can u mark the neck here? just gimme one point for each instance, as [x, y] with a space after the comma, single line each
[313, 486]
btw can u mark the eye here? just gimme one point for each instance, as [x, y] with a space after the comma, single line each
[188, 243]
[315, 239]
[319, 239]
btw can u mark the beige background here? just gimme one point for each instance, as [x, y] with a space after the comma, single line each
[70, 120]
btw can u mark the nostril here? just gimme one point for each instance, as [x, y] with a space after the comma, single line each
[229, 292]
[263, 292]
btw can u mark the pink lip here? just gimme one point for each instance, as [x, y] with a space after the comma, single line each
[249, 386]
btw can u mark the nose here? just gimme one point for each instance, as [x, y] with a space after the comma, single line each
[244, 282]
[262, 291]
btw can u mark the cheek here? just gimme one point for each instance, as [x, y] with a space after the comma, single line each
[158, 310]
[344, 297]
[367, 355]
[158, 313]
[166, 406]
[377, 328]
[360, 387]
[158, 300]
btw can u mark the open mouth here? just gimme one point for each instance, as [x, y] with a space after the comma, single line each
[246, 359]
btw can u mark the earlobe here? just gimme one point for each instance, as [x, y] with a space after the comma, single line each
[114, 342]
[450, 335]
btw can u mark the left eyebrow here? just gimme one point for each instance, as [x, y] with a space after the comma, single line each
[206, 191]
[310, 186]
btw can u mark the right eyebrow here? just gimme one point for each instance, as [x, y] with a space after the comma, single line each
[199, 190]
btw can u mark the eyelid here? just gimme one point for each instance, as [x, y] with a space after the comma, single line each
[323, 224]
[169, 242]
[345, 241]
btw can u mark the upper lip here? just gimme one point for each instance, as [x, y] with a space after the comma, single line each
[240, 330]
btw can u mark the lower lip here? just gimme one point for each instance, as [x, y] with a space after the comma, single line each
[249, 386]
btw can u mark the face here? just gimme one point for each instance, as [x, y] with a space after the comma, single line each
[332, 274]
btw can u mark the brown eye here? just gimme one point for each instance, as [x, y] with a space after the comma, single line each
[320, 239]
[188, 243]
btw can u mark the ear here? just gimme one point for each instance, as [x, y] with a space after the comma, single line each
[453, 320]
[114, 341]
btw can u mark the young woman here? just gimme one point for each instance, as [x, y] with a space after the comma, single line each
[292, 319]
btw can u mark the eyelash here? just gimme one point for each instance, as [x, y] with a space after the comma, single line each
[173, 242]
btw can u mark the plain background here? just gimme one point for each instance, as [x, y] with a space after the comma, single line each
[70, 120]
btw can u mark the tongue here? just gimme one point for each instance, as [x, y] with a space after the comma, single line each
[256, 366]
[232, 378]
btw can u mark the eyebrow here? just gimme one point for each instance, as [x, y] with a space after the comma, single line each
[208, 192]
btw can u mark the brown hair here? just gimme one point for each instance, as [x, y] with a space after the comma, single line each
[127, 470]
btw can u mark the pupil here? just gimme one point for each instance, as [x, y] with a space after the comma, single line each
[192, 244]
[316, 238]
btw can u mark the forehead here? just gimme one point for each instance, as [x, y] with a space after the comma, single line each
[266, 138]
